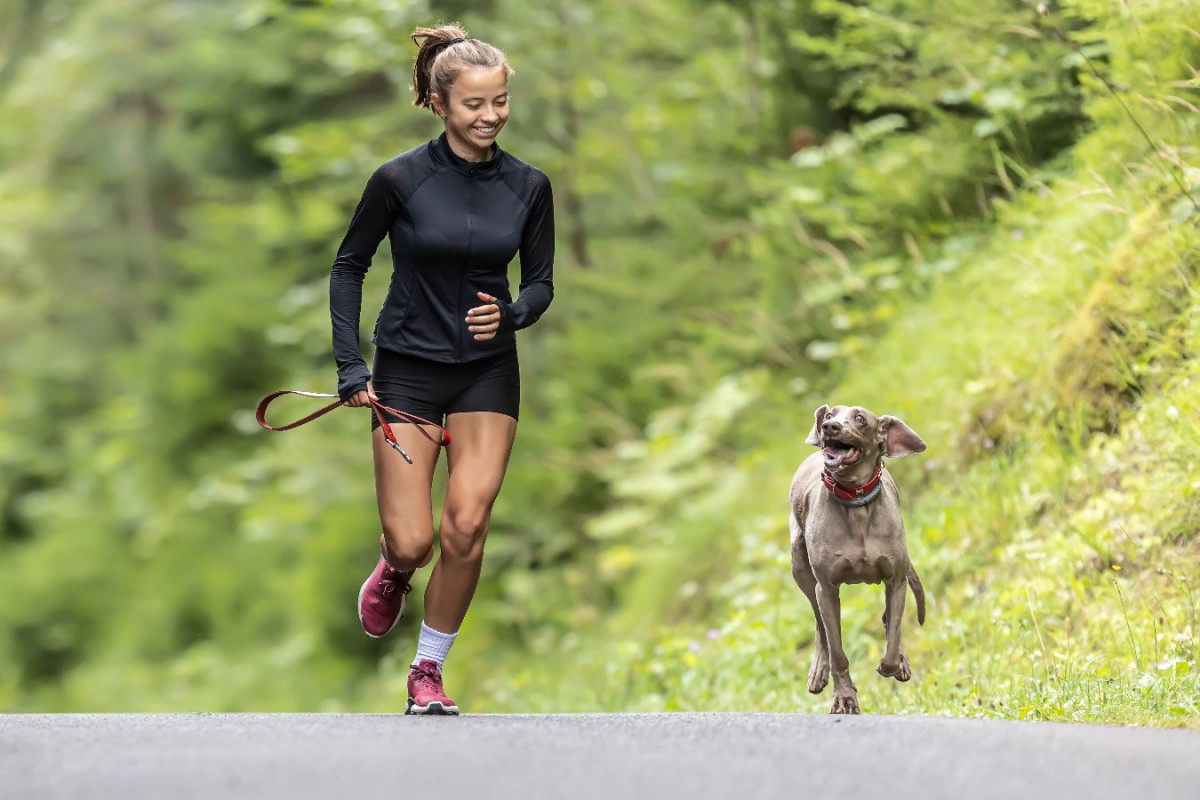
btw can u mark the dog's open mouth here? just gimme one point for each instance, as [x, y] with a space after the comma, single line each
[839, 454]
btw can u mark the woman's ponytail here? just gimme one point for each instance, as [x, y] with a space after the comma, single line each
[431, 41]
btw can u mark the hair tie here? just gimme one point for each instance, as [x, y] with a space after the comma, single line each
[455, 41]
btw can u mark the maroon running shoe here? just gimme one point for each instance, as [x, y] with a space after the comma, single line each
[425, 695]
[381, 599]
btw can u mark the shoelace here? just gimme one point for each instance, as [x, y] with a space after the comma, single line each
[428, 679]
[387, 584]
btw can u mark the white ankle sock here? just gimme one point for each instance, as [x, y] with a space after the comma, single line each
[433, 645]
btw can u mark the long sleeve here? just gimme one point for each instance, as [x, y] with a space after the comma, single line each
[370, 224]
[537, 261]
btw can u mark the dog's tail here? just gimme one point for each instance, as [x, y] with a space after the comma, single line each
[914, 581]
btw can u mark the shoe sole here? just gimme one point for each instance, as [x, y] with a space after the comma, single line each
[431, 710]
[399, 614]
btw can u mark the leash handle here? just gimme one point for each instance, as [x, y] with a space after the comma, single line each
[379, 408]
[260, 413]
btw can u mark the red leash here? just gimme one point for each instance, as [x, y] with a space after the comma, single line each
[376, 406]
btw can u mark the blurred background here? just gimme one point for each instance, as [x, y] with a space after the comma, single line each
[978, 217]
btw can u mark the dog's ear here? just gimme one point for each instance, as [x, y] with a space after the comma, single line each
[897, 439]
[814, 436]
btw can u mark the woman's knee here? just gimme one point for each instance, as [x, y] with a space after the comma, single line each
[463, 531]
[407, 546]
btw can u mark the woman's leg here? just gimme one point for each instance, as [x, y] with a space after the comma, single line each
[402, 492]
[476, 460]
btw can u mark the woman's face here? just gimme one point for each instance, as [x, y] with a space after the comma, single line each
[476, 111]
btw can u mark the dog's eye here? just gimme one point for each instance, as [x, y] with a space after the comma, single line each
[860, 419]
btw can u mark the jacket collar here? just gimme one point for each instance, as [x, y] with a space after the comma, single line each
[442, 152]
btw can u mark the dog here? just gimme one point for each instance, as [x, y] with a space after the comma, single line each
[846, 528]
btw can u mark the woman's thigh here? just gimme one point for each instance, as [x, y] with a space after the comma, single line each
[481, 442]
[402, 490]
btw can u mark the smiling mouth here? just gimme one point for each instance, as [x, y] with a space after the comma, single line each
[839, 454]
[486, 131]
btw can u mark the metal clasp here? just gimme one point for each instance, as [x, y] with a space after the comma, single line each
[400, 450]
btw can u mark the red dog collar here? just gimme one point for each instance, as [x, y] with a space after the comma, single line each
[857, 495]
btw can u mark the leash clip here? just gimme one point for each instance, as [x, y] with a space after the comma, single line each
[399, 450]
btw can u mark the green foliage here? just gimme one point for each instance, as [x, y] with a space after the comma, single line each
[934, 209]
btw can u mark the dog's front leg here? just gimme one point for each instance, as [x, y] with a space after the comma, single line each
[894, 663]
[845, 694]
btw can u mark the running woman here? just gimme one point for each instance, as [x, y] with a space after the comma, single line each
[457, 210]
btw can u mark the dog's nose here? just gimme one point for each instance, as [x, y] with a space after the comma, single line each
[831, 427]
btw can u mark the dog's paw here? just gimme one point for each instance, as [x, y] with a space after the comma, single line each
[900, 672]
[818, 676]
[845, 704]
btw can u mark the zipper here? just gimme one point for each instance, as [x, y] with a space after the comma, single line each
[462, 327]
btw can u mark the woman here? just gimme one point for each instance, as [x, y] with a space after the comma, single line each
[457, 210]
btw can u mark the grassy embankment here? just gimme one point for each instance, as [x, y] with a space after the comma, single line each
[1053, 518]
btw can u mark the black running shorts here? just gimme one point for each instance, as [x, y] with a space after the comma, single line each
[432, 389]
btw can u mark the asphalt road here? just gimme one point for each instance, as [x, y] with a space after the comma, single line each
[585, 757]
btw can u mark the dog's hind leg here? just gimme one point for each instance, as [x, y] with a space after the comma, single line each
[818, 676]
[914, 582]
[894, 663]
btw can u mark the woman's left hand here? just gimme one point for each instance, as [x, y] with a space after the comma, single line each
[484, 321]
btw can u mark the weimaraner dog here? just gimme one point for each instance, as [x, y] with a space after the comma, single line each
[846, 528]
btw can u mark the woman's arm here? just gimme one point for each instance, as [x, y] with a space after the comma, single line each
[537, 262]
[371, 222]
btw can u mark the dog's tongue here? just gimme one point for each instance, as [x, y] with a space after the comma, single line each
[836, 458]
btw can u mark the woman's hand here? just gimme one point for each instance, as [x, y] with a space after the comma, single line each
[484, 321]
[361, 398]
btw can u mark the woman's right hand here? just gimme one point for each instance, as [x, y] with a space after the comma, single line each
[362, 398]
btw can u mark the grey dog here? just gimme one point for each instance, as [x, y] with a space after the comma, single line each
[846, 528]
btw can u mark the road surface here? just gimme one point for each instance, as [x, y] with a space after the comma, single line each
[586, 757]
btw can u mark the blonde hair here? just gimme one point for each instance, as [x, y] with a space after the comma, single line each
[445, 51]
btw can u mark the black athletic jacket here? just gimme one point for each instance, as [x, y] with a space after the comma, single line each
[454, 226]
